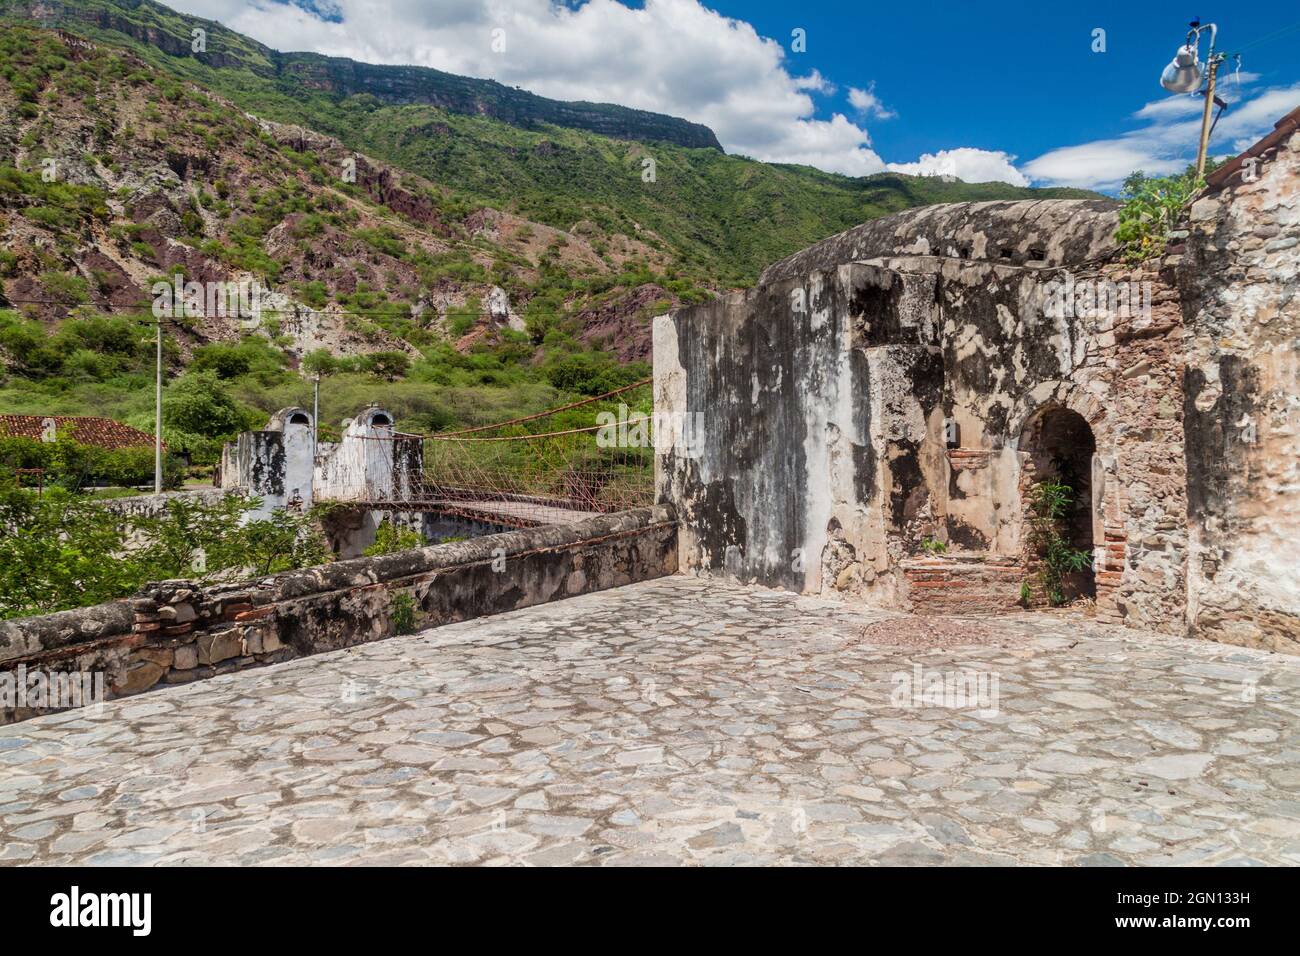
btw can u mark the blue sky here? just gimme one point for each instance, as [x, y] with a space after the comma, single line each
[1025, 81]
[921, 87]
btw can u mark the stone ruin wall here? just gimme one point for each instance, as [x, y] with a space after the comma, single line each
[1239, 275]
[371, 463]
[1119, 371]
[876, 389]
[827, 460]
[176, 632]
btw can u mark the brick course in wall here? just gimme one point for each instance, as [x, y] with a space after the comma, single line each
[963, 585]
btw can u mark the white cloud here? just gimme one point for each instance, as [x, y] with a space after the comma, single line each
[968, 164]
[1182, 104]
[671, 56]
[1103, 164]
[868, 104]
[1168, 142]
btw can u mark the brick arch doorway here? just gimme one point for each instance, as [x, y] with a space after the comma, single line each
[1058, 443]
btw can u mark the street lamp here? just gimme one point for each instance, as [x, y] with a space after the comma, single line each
[1183, 75]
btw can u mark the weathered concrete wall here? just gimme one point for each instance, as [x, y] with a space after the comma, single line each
[1240, 278]
[284, 467]
[372, 462]
[275, 464]
[179, 631]
[152, 506]
[855, 409]
[773, 453]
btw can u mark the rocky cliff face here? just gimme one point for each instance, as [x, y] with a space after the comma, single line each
[355, 257]
[460, 94]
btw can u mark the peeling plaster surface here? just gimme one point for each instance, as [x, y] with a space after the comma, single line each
[872, 391]
[890, 385]
[283, 465]
[1240, 280]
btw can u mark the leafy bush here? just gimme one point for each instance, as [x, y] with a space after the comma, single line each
[1152, 206]
[933, 546]
[387, 365]
[61, 550]
[462, 318]
[390, 538]
[72, 465]
[383, 240]
[1050, 504]
[592, 373]
[252, 355]
[402, 613]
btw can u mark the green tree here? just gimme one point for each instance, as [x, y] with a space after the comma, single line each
[59, 551]
[199, 414]
[281, 543]
[1152, 207]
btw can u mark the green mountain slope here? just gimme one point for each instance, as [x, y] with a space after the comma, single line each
[115, 175]
[719, 218]
[304, 73]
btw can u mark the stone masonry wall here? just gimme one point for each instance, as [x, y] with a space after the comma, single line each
[179, 631]
[856, 410]
[1239, 274]
[153, 506]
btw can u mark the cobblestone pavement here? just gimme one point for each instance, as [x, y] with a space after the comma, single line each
[681, 722]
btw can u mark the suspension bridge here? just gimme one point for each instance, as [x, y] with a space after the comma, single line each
[552, 467]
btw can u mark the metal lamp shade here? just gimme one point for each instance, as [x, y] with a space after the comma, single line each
[1183, 74]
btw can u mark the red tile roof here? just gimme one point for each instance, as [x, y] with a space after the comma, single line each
[1281, 130]
[103, 432]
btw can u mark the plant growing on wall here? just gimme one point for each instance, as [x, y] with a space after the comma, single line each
[1050, 504]
[1152, 206]
[390, 538]
[402, 613]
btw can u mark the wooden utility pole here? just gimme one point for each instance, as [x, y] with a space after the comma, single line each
[1205, 115]
[315, 414]
[157, 415]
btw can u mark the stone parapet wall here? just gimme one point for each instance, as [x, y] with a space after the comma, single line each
[53, 633]
[179, 631]
[151, 506]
